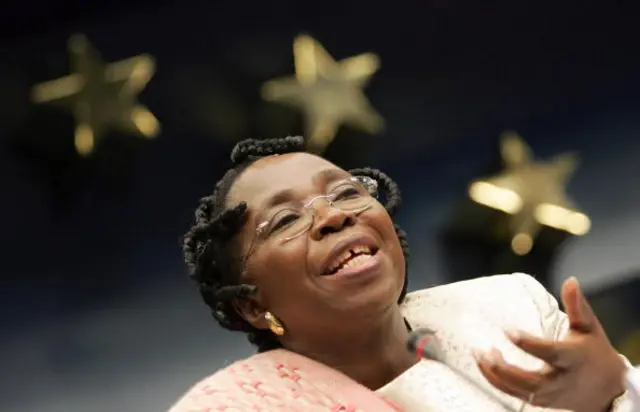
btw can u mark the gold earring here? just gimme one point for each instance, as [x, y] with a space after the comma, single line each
[274, 324]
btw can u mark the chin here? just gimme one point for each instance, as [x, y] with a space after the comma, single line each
[372, 290]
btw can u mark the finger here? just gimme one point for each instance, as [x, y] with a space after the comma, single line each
[548, 396]
[546, 392]
[501, 385]
[579, 312]
[562, 354]
[508, 378]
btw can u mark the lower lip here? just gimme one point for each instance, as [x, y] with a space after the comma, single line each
[369, 266]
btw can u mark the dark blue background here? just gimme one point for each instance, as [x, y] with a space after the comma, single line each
[97, 312]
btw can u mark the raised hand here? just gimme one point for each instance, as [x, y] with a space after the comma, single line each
[583, 372]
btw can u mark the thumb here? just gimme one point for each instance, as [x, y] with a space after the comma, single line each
[579, 312]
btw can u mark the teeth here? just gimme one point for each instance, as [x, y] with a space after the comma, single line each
[363, 252]
[356, 261]
[361, 249]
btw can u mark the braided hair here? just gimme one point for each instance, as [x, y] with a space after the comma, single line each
[205, 245]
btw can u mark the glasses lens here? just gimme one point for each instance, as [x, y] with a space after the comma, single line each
[289, 223]
[351, 195]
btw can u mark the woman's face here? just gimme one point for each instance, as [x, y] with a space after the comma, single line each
[294, 277]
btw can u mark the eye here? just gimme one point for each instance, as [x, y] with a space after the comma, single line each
[346, 192]
[283, 220]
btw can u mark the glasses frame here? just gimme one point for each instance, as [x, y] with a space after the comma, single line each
[370, 185]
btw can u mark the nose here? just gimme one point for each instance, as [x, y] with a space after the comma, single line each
[330, 219]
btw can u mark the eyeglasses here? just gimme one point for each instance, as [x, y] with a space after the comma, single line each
[355, 195]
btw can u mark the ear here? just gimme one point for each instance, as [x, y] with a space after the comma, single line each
[251, 311]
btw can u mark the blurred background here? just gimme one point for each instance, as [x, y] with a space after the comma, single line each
[98, 313]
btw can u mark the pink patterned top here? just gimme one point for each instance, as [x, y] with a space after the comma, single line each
[280, 380]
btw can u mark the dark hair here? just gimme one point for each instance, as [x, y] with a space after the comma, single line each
[205, 245]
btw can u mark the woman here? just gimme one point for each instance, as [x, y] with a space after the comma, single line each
[298, 254]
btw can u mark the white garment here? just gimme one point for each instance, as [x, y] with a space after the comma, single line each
[473, 315]
[633, 386]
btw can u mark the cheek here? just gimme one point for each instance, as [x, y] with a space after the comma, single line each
[380, 221]
[278, 271]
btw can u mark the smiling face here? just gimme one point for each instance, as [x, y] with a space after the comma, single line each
[347, 268]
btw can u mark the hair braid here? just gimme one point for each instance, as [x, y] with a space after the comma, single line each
[205, 245]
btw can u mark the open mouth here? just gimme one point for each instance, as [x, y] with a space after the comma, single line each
[353, 257]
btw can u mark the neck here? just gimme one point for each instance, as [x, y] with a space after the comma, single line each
[374, 358]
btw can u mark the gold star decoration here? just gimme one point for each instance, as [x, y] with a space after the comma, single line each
[329, 92]
[533, 192]
[101, 96]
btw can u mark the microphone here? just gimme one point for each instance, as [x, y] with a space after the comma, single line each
[425, 344]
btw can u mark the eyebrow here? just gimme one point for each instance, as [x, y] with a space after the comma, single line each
[328, 175]
[322, 177]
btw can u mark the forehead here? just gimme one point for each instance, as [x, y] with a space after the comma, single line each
[273, 174]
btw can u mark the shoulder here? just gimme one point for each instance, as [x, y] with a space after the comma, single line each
[231, 387]
[276, 380]
[213, 391]
[499, 298]
[487, 286]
